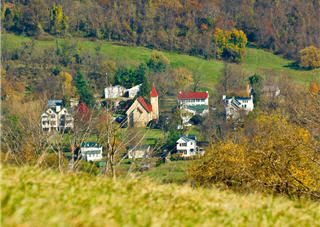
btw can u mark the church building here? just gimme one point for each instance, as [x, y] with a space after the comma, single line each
[140, 113]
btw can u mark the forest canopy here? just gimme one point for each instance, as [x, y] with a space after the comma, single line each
[187, 26]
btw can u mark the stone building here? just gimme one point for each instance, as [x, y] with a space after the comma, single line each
[140, 113]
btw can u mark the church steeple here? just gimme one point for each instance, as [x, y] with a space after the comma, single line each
[154, 102]
[154, 92]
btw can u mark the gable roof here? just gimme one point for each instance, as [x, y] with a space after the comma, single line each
[193, 95]
[188, 138]
[154, 92]
[144, 104]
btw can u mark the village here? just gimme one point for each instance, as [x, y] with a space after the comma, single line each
[146, 113]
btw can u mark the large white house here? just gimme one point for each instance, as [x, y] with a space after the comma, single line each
[193, 103]
[187, 146]
[56, 118]
[113, 92]
[118, 91]
[91, 151]
[234, 105]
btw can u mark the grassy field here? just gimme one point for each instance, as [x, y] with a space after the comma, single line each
[172, 172]
[257, 61]
[34, 197]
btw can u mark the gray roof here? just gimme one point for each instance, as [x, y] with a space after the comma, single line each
[92, 152]
[140, 147]
[52, 103]
[188, 138]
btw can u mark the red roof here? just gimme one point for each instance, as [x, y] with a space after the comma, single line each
[192, 95]
[144, 104]
[154, 92]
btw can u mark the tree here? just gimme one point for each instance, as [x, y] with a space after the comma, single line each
[314, 88]
[232, 81]
[309, 57]
[278, 156]
[171, 140]
[83, 90]
[231, 45]
[256, 86]
[158, 62]
[58, 22]
[67, 88]
[182, 78]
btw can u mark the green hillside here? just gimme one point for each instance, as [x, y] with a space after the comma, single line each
[257, 61]
[34, 197]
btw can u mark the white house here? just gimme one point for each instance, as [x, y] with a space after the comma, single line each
[113, 92]
[118, 91]
[56, 118]
[234, 105]
[132, 92]
[91, 151]
[141, 151]
[193, 103]
[187, 146]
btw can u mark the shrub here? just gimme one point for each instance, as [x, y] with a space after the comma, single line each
[309, 57]
[279, 156]
[51, 160]
[88, 167]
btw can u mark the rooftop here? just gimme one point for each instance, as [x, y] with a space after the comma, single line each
[89, 144]
[144, 104]
[154, 92]
[198, 108]
[140, 147]
[188, 138]
[193, 95]
[52, 103]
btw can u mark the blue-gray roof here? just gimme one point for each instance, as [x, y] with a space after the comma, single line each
[89, 144]
[52, 103]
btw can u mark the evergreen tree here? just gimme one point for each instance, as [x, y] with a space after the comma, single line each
[83, 90]
[256, 84]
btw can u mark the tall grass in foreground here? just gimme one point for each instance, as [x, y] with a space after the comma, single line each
[34, 197]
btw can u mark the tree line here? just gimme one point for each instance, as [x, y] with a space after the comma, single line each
[187, 26]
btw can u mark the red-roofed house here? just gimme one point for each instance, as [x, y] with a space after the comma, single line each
[141, 113]
[193, 98]
[193, 103]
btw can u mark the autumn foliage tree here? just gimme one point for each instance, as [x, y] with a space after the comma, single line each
[231, 44]
[309, 57]
[278, 157]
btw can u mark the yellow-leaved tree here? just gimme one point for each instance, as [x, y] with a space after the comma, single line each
[309, 57]
[182, 78]
[279, 156]
[66, 81]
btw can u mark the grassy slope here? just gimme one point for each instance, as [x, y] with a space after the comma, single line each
[258, 61]
[31, 197]
[172, 172]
